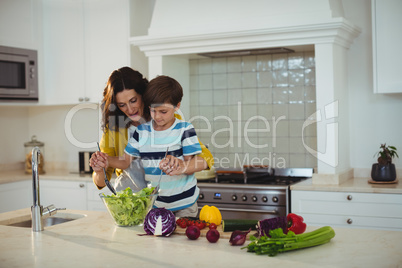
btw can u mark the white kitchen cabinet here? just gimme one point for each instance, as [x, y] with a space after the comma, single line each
[386, 15]
[349, 209]
[94, 201]
[20, 24]
[63, 194]
[15, 195]
[84, 41]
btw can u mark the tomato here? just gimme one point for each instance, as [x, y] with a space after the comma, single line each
[183, 224]
[212, 226]
[200, 224]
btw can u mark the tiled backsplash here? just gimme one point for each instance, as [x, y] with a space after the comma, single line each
[251, 109]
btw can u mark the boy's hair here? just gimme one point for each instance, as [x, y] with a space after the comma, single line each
[163, 89]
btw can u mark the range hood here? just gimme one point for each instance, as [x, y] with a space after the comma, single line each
[181, 28]
[247, 52]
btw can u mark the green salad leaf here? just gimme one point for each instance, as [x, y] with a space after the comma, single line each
[129, 209]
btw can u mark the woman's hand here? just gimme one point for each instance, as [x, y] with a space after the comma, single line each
[173, 166]
[98, 161]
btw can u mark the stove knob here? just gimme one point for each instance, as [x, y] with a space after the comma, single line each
[234, 197]
[264, 199]
[275, 199]
[201, 196]
[254, 198]
[244, 198]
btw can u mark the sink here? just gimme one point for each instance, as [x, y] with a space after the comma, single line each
[50, 221]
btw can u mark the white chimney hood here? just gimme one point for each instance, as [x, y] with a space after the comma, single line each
[182, 27]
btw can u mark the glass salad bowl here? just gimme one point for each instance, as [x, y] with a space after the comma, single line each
[128, 208]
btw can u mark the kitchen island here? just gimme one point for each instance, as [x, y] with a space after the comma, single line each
[95, 241]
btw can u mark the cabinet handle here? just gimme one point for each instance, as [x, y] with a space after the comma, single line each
[349, 197]
[349, 221]
[86, 99]
[80, 99]
[82, 185]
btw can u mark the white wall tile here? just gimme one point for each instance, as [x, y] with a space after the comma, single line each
[223, 83]
[205, 66]
[234, 65]
[249, 63]
[220, 81]
[205, 82]
[265, 79]
[219, 65]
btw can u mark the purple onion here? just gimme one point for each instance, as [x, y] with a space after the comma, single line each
[238, 238]
[160, 221]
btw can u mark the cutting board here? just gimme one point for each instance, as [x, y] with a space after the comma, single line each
[223, 235]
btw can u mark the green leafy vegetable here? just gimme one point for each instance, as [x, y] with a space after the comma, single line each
[129, 209]
[280, 242]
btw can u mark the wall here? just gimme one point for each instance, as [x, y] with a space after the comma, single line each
[250, 110]
[14, 133]
[374, 118]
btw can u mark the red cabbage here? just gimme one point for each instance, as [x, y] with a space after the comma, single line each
[264, 226]
[160, 221]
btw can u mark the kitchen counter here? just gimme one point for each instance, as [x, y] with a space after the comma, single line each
[95, 241]
[359, 185]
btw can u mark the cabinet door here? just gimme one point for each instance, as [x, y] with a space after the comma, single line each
[387, 37]
[106, 43]
[15, 195]
[63, 194]
[64, 57]
[94, 201]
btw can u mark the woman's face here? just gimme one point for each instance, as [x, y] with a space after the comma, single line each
[130, 103]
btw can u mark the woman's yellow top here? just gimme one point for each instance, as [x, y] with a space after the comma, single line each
[113, 143]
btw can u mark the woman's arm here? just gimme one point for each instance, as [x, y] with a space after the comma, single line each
[117, 162]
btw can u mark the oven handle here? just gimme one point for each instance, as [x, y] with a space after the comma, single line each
[250, 210]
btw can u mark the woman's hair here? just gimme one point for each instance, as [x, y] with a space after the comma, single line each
[160, 90]
[119, 80]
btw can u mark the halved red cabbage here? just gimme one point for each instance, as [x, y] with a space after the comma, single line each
[264, 226]
[160, 221]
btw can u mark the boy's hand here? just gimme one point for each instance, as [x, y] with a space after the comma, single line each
[172, 165]
[98, 161]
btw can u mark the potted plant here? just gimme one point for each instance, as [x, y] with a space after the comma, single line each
[384, 170]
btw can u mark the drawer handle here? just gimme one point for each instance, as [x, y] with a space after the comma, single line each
[349, 221]
[349, 197]
[82, 185]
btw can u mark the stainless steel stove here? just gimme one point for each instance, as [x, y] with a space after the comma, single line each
[251, 192]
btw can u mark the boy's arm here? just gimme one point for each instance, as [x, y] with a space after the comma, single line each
[117, 162]
[174, 166]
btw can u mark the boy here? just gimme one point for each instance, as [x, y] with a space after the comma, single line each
[178, 193]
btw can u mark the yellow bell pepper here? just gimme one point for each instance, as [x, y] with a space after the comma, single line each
[211, 214]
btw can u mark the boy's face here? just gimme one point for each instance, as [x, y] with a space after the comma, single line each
[163, 115]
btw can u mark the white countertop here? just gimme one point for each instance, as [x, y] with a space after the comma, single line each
[95, 241]
[360, 185]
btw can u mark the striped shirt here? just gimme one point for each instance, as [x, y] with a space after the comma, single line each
[176, 192]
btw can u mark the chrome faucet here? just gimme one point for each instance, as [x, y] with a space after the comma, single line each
[38, 213]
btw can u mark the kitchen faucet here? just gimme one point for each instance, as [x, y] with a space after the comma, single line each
[38, 213]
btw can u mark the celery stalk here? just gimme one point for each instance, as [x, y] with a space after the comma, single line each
[279, 242]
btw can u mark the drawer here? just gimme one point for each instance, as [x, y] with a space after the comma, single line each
[353, 221]
[348, 204]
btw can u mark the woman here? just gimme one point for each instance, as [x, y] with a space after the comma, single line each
[122, 111]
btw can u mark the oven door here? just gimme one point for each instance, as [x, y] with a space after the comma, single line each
[238, 211]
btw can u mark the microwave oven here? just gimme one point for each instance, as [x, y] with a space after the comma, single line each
[18, 74]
